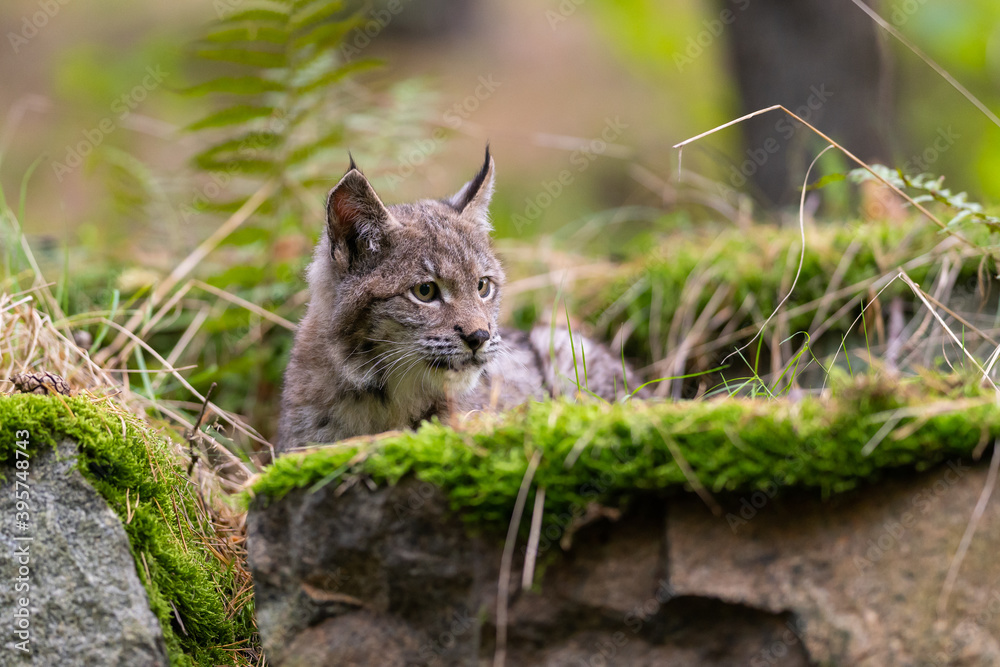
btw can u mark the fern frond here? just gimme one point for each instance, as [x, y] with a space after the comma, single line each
[283, 110]
[342, 72]
[247, 33]
[254, 57]
[232, 116]
[275, 15]
[236, 85]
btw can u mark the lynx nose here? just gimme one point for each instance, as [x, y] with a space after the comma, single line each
[475, 339]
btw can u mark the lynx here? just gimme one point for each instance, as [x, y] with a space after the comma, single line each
[402, 322]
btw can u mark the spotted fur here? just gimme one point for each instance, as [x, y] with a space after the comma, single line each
[371, 356]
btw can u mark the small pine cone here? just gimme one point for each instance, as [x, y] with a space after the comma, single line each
[40, 383]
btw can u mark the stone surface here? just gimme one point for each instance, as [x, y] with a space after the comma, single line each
[341, 570]
[389, 577]
[87, 605]
[862, 574]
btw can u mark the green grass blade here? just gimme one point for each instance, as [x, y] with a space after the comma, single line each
[680, 377]
[624, 367]
[103, 331]
[572, 346]
[140, 361]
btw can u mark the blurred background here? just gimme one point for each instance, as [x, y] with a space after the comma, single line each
[131, 131]
[557, 74]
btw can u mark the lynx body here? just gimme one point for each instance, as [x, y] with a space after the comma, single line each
[402, 321]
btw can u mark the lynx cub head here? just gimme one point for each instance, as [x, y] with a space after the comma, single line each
[410, 291]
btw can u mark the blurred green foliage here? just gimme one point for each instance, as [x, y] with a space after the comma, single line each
[284, 106]
[963, 37]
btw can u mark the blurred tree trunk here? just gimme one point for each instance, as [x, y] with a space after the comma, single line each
[824, 61]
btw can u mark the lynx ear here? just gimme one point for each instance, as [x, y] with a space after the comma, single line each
[473, 200]
[356, 219]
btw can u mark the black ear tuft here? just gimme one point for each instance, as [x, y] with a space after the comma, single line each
[473, 199]
[353, 166]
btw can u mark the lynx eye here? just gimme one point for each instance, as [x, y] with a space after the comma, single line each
[485, 287]
[425, 292]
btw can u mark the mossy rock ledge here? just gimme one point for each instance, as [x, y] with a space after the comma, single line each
[835, 523]
[104, 559]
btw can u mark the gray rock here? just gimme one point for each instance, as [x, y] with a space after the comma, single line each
[365, 573]
[862, 574]
[86, 605]
[351, 576]
[390, 577]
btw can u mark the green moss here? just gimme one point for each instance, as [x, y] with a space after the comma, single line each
[731, 445]
[119, 455]
[755, 271]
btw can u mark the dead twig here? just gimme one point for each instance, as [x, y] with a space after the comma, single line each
[195, 429]
[970, 532]
[531, 555]
[506, 560]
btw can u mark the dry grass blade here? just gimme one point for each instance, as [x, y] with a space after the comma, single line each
[580, 445]
[189, 333]
[951, 334]
[236, 422]
[802, 257]
[970, 532]
[559, 276]
[29, 339]
[675, 362]
[838, 276]
[861, 163]
[886, 283]
[252, 307]
[891, 29]
[188, 264]
[704, 192]
[531, 555]
[506, 560]
[963, 321]
[689, 473]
